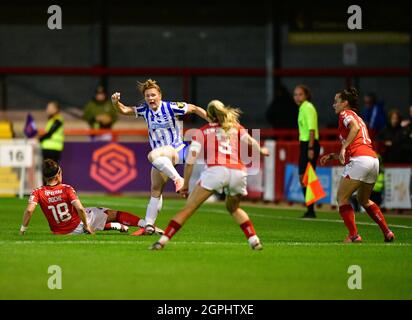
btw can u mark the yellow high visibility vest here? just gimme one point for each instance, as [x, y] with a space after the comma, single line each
[380, 183]
[56, 141]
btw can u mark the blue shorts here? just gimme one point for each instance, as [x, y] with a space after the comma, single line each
[182, 152]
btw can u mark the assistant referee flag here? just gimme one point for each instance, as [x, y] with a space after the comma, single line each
[314, 190]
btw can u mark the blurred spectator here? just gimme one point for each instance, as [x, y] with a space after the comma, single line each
[52, 142]
[373, 115]
[407, 122]
[407, 127]
[99, 112]
[394, 138]
[276, 114]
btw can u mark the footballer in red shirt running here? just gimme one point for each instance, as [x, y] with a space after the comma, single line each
[225, 171]
[361, 166]
[64, 211]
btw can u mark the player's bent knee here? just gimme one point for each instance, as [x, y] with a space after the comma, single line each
[155, 193]
[365, 203]
[342, 200]
[151, 156]
[231, 208]
[111, 215]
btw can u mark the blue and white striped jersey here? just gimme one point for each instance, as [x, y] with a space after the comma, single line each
[165, 129]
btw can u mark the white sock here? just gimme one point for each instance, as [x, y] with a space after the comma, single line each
[115, 225]
[164, 239]
[160, 204]
[165, 165]
[253, 240]
[142, 222]
[152, 210]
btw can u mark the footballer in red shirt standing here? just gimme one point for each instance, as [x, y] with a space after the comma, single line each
[361, 166]
[64, 211]
[220, 142]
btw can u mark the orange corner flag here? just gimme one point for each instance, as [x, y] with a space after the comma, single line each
[314, 190]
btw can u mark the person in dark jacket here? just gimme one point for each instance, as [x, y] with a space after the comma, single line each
[373, 115]
[394, 138]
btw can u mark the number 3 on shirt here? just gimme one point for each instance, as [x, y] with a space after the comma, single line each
[224, 144]
[60, 212]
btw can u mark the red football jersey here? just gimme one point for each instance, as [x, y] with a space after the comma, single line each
[222, 148]
[56, 204]
[362, 144]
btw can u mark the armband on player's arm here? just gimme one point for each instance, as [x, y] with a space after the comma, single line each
[353, 131]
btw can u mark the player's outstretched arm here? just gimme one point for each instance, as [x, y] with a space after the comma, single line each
[191, 108]
[120, 107]
[26, 217]
[255, 145]
[328, 157]
[82, 214]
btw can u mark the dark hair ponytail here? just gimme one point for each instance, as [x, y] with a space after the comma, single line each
[351, 95]
[50, 168]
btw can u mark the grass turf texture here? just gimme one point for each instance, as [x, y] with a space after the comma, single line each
[208, 259]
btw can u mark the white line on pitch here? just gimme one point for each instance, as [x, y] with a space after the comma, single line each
[308, 220]
[276, 244]
[105, 202]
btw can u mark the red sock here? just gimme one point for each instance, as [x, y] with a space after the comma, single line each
[172, 228]
[127, 218]
[375, 213]
[248, 229]
[108, 226]
[348, 216]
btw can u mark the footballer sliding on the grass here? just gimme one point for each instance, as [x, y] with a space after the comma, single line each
[221, 142]
[66, 214]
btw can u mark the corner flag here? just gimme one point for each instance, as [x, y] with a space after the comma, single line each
[314, 190]
[30, 129]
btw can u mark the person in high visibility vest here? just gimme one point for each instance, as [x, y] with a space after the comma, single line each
[52, 142]
[308, 137]
[377, 191]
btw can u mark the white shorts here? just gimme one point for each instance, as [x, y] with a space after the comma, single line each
[219, 178]
[362, 168]
[96, 217]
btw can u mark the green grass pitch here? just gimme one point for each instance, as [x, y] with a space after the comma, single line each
[208, 259]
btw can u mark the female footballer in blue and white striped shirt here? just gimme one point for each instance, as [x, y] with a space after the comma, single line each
[165, 137]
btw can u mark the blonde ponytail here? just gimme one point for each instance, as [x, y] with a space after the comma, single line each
[227, 117]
